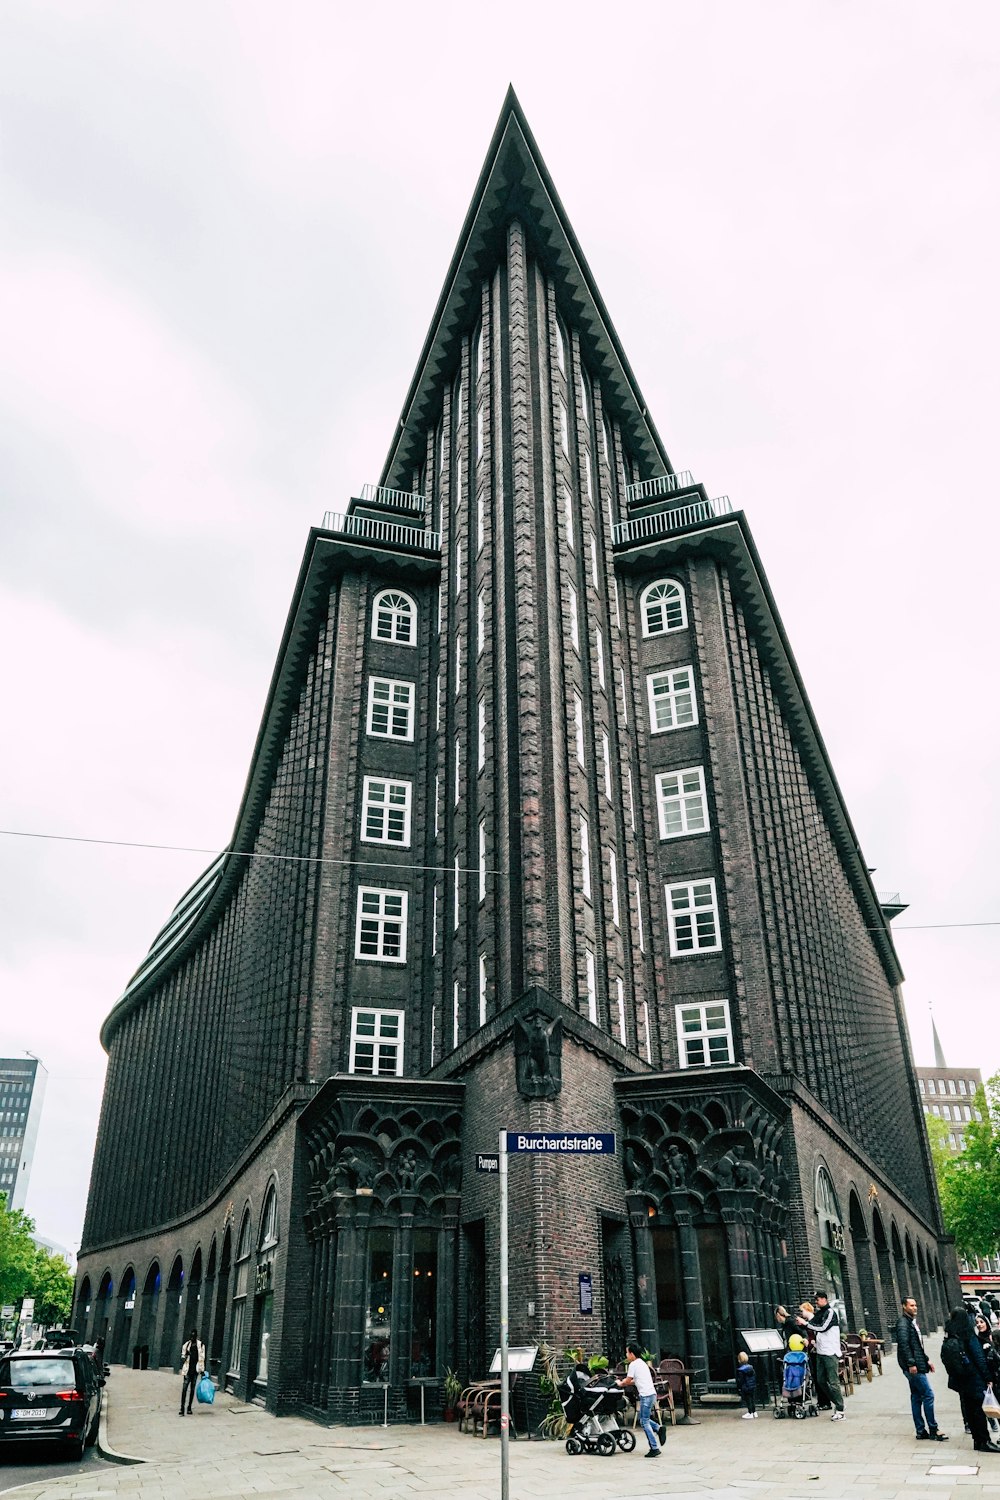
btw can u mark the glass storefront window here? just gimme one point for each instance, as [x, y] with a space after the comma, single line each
[378, 1309]
[265, 1338]
[423, 1345]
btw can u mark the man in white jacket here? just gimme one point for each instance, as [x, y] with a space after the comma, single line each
[825, 1324]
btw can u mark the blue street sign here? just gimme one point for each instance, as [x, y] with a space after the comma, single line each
[561, 1142]
[586, 1292]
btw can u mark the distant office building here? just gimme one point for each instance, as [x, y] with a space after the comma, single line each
[22, 1089]
[949, 1093]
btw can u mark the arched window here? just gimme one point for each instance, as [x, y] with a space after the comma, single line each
[269, 1221]
[663, 607]
[240, 1288]
[394, 618]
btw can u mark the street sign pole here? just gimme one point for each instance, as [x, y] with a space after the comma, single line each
[504, 1330]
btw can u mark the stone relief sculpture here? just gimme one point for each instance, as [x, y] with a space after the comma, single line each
[538, 1056]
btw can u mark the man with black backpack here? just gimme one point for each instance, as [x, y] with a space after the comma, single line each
[915, 1365]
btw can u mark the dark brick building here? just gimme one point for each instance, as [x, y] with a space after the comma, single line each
[539, 832]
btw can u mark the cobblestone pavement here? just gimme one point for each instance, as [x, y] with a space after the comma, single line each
[230, 1451]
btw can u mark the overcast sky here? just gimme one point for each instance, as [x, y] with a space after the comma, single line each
[224, 230]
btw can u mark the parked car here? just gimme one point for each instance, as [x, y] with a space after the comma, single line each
[52, 1397]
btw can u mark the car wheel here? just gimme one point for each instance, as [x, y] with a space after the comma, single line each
[94, 1429]
[74, 1449]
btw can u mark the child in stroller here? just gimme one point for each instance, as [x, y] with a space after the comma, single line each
[593, 1407]
[797, 1396]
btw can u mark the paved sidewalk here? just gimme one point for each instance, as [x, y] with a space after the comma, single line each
[230, 1451]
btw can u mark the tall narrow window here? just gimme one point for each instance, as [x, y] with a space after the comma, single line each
[614, 597]
[456, 893]
[434, 1032]
[591, 987]
[394, 618]
[599, 642]
[458, 569]
[627, 778]
[437, 805]
[693, 917]
[638, 918]
[380, 928]
[645, 1027]
[458, 770]
[434, 921]
[662, 607]
[480, 622]
[482, 860]
[613, 875]
[481, 735]
[480, 418]
[458, 665]
[620, 989]
[482, 989]
[480, 521]
[671, 699]
[584, 405]
[592, 542]
[606, 756]
[560, 348]
[585, 856]
[377, 1042]
[479, 353]
[440, 609]
[437, 701]
[621, 683]
[458, 405]
[454, 1014]
[606, 442]
[588, 479]
[458, 484]
[578, 726]
[681, 802]
[390, 709]
[385, 811]
[568, 512]
[574, 619]
[563, 429]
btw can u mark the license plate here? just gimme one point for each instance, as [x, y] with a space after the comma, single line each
[29, 1413]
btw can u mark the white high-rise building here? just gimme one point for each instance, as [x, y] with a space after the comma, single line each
[22, 1089]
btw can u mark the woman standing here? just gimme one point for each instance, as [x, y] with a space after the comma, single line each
[963, 1358]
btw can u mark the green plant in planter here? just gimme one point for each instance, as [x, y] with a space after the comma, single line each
[452, 1389]
[597, 1364]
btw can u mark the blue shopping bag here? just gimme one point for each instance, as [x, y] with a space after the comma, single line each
[205, 1389]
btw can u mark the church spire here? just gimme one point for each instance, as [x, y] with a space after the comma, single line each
[939, 1061]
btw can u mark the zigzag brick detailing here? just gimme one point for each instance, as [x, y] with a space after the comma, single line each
[539, 835]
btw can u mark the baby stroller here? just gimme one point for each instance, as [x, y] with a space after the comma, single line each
[593, 1410]
[797, 1396]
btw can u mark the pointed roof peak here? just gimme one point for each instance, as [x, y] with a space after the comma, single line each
[515, 182]
[939, 1061]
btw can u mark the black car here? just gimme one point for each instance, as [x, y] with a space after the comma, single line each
[49, 1396]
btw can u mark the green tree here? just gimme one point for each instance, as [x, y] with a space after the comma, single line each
[969, 1180]
[52, 1289]
[17, 1253]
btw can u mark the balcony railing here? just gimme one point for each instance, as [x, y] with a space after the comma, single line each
[377, 494]
[643, 528]
[887, 898]
[387, 533]
[664, 484]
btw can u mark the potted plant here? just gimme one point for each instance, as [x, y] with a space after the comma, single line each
[452, 1391]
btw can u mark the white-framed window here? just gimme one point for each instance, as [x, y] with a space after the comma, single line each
[615, 600]
[454, 1013]
[377, 1042]
[560, 348]
[638, 917]
[588, 478]
[578, 727]
[704, 1034]
[693, 918]
[952, 1086]
[478, 360]
[441, 449]
[437, 805]
[671, 699]
[458, 568]
[606, 757]
[434, 920]
[646, 1031]
[681, 802]
[591, 987]
[599, 642]
[627, 780]
[380, 929]
[457, 879]
[592, 544]
[481, 735]
[584, 404]
[458, 483]
[480, 521]
[961, 1085]
[394, 618]
[663, 608]
[923, 1089]
[390, 709]
[458, 405]
[385, 811]
[585, 856]
[563, 428]
[482, 860]
[574, 619]
[568, 512]
[946, 1111]
[482, 989]
[458, 665]
[437, 703]
[434, 1032]
[480, 433]
[606, 444]
[480, 622]
[440, 608]
[613, 876]
[621, 683]
[620, 997]
[458, 770]
[931, 1086]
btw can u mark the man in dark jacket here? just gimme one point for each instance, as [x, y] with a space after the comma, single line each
[915, 1365]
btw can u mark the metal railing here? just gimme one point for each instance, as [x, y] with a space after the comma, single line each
[664, 484]
[388, 533]
[377, 494]
[644, 527]
[887, 898]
